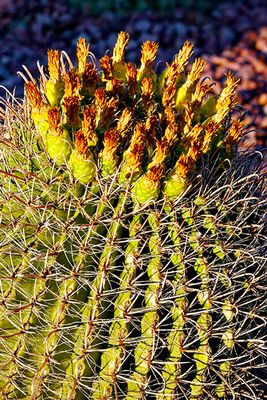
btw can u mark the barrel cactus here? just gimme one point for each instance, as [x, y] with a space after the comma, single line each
[133, 238]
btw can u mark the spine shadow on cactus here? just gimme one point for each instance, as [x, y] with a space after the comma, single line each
[132, 238]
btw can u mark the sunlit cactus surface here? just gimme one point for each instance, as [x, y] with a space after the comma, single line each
[132, 238]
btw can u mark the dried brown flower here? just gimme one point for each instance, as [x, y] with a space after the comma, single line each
[71, 106]
[90, 77]
[182, 167]
[194, 74]
[113, 86]
[168, 96]
[54, 118]
[235, 132]
[134, 154]
[179, 63]
[80, 142]
[155, 173]
[227, 99]
[72, 84]
[124, 122]
[82, 53]
[34, 95]
[119, 48]
[107, 66]
[148, 53]
[54, 65]
[111, 140]
[147, 91]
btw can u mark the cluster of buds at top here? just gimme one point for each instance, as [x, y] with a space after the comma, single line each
[149, 129]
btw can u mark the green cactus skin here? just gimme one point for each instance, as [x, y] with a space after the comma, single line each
[145, 190]
[54, 92]
[109, 165]
[172, 370]
[144, 351]
[59, 146]
[182, 96]
[208, 108]
[120, 71]
[174, 188]
[121, 326]
[83, 169]
[41, 122]
[97, 305]
[132, 240]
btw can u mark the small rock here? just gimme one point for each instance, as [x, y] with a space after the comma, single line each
[264, 122]
[227, 35]
[157, 29]
[143, 25]
[180, 29]
[261, 44]
[262, 99]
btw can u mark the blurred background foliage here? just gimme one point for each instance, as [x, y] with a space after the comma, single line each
[128, 6]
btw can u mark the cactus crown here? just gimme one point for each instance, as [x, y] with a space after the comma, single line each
[154, 128]
[132, 250]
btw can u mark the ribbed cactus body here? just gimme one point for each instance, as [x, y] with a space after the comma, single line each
[173, 188]
[54, 92]
[40, 120]
[132, 247]
[83, 169]
[59, 146]
[145, 189]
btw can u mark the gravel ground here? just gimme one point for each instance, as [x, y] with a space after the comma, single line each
[227, 36]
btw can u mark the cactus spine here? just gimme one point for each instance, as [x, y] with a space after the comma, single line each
[133, 240]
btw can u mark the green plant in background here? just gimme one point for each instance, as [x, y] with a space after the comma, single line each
[127, 6]
[133, 240]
